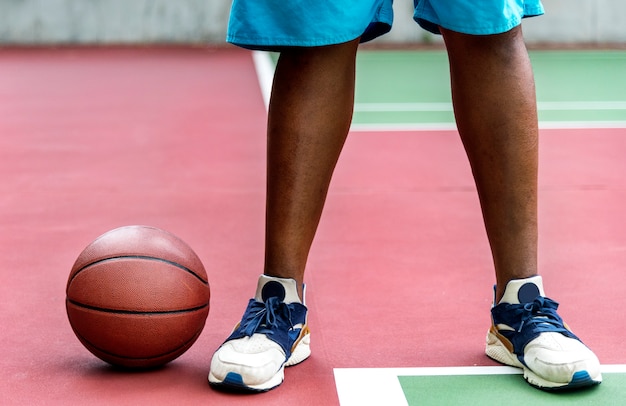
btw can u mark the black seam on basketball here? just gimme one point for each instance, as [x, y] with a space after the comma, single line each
[146, 257]
[136, 312]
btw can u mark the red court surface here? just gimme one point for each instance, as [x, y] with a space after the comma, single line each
[399, 275]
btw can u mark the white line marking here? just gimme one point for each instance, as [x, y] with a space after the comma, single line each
[390, 127]
[369, 387]
[447, 106]
[547, 125]
[265, 73]
[380, 386]
[394, 107]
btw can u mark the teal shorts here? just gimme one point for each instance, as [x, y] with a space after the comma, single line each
[275, 24]
[476, 17]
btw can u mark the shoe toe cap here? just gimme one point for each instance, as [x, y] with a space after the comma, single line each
[557, 358]
[254, 359]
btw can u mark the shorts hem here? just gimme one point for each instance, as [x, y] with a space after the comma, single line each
[272, 44]
[491, 30]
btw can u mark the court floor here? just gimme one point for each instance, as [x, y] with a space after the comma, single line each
[399, 278]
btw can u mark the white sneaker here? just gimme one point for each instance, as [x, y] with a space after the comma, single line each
[528, 333]
[272, 334]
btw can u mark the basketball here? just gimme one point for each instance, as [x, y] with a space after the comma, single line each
[137, 297]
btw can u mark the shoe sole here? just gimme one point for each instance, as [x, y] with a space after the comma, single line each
[497, 351]
[233, 382]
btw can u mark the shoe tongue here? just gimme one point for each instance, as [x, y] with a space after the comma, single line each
[284, 289]
[519, 291]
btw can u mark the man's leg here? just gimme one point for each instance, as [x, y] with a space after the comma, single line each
[495, 107]
[494, 102]
[309, 118]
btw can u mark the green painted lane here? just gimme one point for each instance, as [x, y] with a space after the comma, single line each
[402, 77]
[510, 390]
[580, 75]
[403, 87]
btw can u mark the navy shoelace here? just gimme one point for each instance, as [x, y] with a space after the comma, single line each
[541, 314]
[265, 317]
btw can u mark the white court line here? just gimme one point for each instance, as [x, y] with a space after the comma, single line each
[447, 106]
[380, 386]
[393, 107]
[392, 127]
[544, 125]
[369, 387]
[265, 73]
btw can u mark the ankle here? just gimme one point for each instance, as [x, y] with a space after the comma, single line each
[297, 285]
[511, 287]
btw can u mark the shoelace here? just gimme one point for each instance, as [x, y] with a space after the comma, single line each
[539, 315]
[528, 321]
[265, 317]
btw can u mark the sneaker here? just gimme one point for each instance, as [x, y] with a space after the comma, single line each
[528, 333]
[272, 334]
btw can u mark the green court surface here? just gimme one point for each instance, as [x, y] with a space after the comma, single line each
[510, 390]
[412, 89]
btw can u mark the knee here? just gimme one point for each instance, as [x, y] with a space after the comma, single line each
[505, 48]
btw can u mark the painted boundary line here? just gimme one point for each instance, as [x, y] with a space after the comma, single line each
[380, 386]
[543, 125]
[265, 73]
[445, 106]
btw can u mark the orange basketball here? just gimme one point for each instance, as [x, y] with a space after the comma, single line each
[137, 297]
